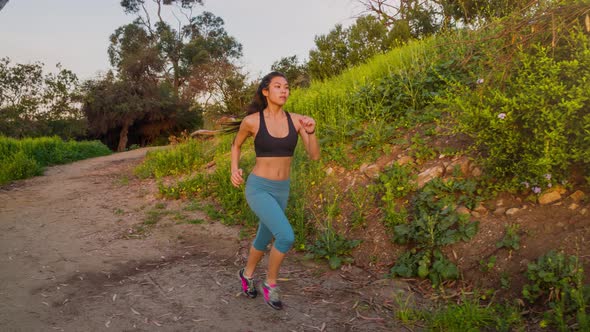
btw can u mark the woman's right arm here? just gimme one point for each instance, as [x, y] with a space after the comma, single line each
[236, 172]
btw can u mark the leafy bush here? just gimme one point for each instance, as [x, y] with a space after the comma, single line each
[559, 280]
[407, 95]
[19, 166]
[534, 126]
[435, 224]
[394, 182]
[333, 247]
[550, 275]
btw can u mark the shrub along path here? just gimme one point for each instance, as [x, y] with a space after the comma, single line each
[88, 247]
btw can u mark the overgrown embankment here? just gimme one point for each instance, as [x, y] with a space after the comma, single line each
[419, 146]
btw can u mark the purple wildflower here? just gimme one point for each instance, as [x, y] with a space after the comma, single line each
[502, 116]
[526, 184]
[549, 185]
[548, 176]
[479, 81]
[536, 190]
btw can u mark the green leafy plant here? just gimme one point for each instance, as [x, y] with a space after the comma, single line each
[361, 202]
[486, 266]
[394, 183]
[435, 224]
[511, 239]
[550, 275]
[333, 247]
[558, 279]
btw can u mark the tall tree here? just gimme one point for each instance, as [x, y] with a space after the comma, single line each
[366, 38]
[295, 72]
[166, 68]
[329, 57]
[426, 17]
[33, 103]
[111, 104]
[343, 48]
[187, 50]
[228, 89]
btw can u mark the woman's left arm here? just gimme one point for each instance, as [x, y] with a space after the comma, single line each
[309, 136]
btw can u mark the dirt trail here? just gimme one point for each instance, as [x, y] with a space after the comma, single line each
[72, 258]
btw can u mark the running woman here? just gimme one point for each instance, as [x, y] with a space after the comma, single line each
[275, 133]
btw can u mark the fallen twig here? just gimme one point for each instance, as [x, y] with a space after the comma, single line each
[377, 319]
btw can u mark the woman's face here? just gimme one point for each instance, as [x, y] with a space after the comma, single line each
[277, 92]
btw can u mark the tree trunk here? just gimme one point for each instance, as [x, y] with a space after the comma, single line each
[123, 136]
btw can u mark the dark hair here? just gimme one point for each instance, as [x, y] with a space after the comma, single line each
[259, 102]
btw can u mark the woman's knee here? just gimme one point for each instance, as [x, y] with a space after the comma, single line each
[263, 238]
[284, 241]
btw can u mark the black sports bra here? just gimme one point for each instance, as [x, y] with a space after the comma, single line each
[266, 145]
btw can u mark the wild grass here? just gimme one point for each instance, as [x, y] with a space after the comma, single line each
[28, 157]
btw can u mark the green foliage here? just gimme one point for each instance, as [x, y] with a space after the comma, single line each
[394, 183]
[511, 239]
[19, 166]
[559, 280]
[486, 266]
[420, 150]
[183, 188]
[405, 312]
[344, 48]
[361, 201]
[435, 224]
[470, 315]
[28, 157]
[333, 247]
[373, 141]
[308, 183]
[536, 124]
[466, 316]
[176, 160]
[36, 104]
[406, 94]
[417, 19]
[334, 103]
[550, 275]
[295, 72]
[191, 158]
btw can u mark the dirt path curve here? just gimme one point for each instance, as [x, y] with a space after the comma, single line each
[76, 254]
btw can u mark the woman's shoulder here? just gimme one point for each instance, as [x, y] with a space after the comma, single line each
[250, 121]
[251, 117]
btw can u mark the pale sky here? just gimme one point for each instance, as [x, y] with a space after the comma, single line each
[76, 33]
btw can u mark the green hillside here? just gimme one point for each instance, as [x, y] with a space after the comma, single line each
[419, 142]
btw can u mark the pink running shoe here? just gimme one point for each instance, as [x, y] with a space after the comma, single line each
[272, 296]
[248, 286]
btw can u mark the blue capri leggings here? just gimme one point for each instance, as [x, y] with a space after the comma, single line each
[268, 199]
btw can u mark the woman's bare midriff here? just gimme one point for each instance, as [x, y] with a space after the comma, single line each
[273, 168]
